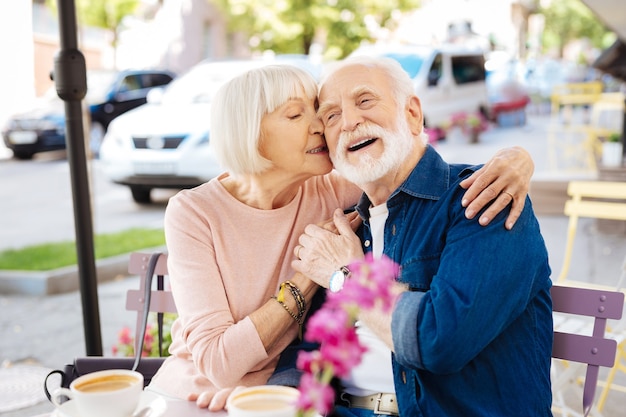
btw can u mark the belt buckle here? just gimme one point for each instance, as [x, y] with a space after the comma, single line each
[377, 410]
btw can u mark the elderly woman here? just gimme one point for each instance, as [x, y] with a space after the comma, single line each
[231, 240]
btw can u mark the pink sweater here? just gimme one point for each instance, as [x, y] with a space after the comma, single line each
[226, 259]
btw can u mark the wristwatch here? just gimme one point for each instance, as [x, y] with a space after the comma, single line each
[338, 278]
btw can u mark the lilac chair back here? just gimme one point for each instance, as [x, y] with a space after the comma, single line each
[161, 299]
[594, 350]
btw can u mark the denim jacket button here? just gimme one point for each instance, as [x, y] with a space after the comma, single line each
[367, 243]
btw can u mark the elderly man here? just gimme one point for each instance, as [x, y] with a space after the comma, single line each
[470, 333]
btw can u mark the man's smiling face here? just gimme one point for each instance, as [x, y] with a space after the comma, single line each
[366, 130]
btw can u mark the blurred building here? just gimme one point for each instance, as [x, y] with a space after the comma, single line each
[490, 24]
[179, 35]
[171, 34]
[16, 72]
[176, 34]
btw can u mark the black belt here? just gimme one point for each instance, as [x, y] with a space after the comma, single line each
[381, 403]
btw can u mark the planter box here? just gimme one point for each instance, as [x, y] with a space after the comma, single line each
[612, 155]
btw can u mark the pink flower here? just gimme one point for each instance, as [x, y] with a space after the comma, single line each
[124, 335]
[126, 343]
[344, 354]
[320, 396]
[327, 325]
[333, 327]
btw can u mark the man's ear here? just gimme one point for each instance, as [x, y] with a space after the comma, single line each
[414, 115]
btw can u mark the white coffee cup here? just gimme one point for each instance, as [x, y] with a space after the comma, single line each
[110, 393]
[263, 401]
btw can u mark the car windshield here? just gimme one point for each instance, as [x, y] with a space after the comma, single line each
[411, 59]
[410, 62]
[98, 85]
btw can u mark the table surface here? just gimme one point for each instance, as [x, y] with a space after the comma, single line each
[175, 408]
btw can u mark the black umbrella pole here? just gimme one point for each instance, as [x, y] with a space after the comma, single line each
[85, 250]
[71, 84]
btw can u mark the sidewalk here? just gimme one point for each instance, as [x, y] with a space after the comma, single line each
[46, 331]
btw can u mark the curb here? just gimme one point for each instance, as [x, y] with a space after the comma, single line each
[64, 279]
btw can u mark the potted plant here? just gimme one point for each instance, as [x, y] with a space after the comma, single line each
[612, 151]
[470, 124]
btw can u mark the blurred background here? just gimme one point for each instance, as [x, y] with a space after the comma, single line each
[551, 72]
[550, 40]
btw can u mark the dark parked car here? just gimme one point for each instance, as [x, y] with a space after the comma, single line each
[109, 94]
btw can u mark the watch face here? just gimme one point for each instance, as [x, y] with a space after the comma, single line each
[336, 281]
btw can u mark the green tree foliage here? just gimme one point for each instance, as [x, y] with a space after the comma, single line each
[567, 20]
[292, 26]
[105, 14]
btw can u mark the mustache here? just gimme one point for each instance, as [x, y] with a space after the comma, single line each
[365, 130]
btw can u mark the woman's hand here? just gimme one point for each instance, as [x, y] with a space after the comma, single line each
[504, 179]
[213, 400]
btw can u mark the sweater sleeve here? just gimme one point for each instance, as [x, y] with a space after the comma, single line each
[222, 349]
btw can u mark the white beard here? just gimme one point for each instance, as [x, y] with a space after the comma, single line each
[397, 144]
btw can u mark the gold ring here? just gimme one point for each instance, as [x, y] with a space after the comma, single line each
[509, 194]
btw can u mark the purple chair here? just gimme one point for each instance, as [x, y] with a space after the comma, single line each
[594, 350]
[161, 299]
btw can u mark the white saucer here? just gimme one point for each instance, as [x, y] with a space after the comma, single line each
[147, 399]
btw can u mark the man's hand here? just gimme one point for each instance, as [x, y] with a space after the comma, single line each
[324, 249]
[505, 179]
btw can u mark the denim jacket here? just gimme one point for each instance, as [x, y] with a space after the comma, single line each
[473, 335]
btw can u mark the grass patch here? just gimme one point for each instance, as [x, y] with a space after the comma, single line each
[49, 256]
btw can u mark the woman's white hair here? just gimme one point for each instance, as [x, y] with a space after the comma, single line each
[238, 109]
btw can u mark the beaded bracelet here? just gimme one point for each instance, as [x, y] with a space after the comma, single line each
[297, 295]
[299, 320]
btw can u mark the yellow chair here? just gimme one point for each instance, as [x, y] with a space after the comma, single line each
[607, 117]
[599, 200]
[591, 199]
[575, 94]
[577, 146]
[572, 148]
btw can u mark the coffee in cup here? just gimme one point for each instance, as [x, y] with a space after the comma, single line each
[110, 393]
[263, 401]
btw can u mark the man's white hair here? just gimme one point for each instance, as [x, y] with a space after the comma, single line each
[399, 80]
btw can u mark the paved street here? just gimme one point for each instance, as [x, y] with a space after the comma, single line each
[39, 207]
[46, 331]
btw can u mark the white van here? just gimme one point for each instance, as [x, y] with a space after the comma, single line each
[448, 79]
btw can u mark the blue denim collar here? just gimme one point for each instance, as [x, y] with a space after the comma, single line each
[430, 179]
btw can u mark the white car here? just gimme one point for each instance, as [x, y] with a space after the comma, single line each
[165, 143]
[448, 79]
